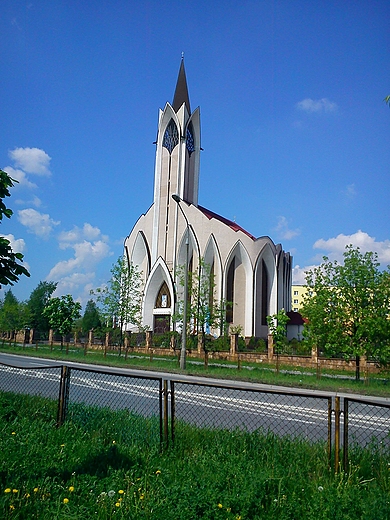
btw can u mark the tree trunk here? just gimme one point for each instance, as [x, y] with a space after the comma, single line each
[357, 374]
[206, 358]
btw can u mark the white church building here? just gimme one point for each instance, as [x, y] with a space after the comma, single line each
[252, 273]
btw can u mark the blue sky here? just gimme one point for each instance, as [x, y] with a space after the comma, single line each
[294, 128]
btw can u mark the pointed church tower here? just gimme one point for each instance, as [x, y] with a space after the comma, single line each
[176, 167]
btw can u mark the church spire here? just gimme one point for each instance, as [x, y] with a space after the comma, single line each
[181, 92]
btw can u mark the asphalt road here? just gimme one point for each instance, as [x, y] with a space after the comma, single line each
[199, 401]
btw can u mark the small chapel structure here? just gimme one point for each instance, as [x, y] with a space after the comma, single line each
[252, 273]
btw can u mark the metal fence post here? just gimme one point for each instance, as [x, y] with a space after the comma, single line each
[330, 430]
[160, 406]
[345, 439]
[337, 434]
[63, 395]
[165, 393]
[172, 411]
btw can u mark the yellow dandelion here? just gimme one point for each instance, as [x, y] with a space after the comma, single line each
[7, 490]
[71, 489]
[66, 500]
[62, 445]
[141, 497]
[13, 433]
[36, 490]
[117, 504]
[220, 506]
[15, 491]
[158, 472]
[121, 492]
[12, 507]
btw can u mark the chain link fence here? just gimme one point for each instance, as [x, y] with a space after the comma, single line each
[230, 407]
[37, 381]
[129, 395]
[158, 407]
[366, 424]
[89, 396]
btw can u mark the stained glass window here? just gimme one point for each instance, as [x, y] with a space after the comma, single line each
[163, 298]
[171, 136]
[190, 139]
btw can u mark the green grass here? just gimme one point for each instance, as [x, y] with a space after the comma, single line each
[377, 384]
[109, 465]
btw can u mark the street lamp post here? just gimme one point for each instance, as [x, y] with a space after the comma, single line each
[183, 351]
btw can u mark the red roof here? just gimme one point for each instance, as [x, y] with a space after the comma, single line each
[295, 318]
[233, 225]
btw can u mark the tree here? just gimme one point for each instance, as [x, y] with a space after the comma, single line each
[204, 311]
[277, 324]
[38, 300]
[61, 313]
[10, 268]
[91, 317]
[347, 307]
[121, 299]
[12, 314]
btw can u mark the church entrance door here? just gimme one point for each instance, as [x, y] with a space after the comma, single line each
[161, 323]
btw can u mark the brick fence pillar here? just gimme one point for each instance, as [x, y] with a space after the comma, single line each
[270, 347]
[233, 344]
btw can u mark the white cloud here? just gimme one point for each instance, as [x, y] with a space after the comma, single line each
[18, 245]
[350, 191]
[39, 224]
[87, 232]
[31, 160]
[19, 176]
[335, 247]
[284, 231]
[317, 105]
[68, 284]
[90, 247]
[86, 256]
[298, 274]
[76, 275]
[35, 201]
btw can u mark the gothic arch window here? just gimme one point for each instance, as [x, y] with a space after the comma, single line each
[230, 291]
[171, 136]
[163, 300]
[264, 293]
[211, 286]
[190, 144]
